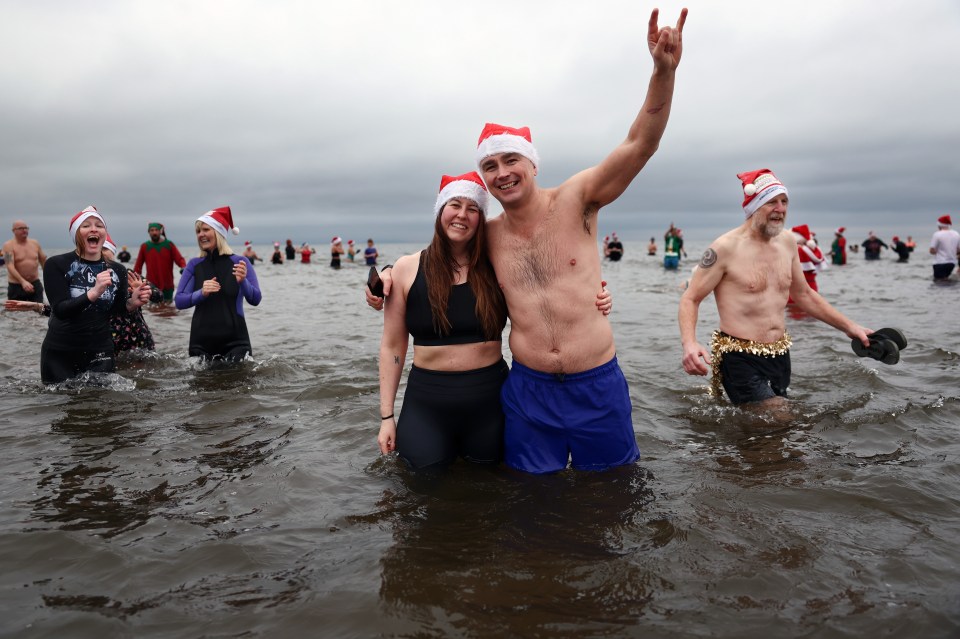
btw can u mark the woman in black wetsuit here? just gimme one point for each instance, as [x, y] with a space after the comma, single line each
[216, 284]
[84, 290]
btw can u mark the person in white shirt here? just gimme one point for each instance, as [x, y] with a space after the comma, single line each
[944, 247]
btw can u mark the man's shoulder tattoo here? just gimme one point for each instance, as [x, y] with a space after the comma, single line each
[708, 259]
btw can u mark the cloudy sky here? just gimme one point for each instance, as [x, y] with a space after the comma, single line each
[314, 119]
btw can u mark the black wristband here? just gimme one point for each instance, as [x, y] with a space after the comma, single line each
[390, 416]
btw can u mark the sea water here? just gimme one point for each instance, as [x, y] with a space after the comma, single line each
[177, 500]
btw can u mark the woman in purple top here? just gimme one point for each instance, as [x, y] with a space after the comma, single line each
[215, 284]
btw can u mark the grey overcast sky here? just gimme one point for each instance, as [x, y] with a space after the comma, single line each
[314, 119]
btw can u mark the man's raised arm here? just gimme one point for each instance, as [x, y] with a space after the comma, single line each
[605, 182]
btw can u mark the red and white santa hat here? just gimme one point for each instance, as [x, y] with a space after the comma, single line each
[79, 218]
[336, 240]
[759, 187]
[802, 232]
[496, 138]
[220, 220]
[349, 242]
[468, 185]
[840, 230]
[944, 220]
[109, 245]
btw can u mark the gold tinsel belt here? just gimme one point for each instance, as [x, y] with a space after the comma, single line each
[722, 343]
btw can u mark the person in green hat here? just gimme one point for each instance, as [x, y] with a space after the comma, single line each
[159, 255]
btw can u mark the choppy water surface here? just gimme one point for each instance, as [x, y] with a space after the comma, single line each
[173, 500]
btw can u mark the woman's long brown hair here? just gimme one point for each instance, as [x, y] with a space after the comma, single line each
[439, 267]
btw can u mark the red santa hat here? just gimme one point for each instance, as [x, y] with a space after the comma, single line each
[944, 220]
[79, 218]
[895, 239]
[349, 242]
[109, 245]
[759, 187]
[468, 185]
[220, 220]
[496, 138]
[802, 232]
[335, 240]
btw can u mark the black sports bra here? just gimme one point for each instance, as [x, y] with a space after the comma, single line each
[461, 311]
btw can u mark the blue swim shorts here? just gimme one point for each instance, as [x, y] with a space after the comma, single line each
[584, 417]
[671, 261]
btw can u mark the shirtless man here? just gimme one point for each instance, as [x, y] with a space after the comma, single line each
[566, 397]
[24, 257]
[751, 271]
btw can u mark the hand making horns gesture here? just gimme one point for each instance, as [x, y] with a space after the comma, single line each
[666, 44]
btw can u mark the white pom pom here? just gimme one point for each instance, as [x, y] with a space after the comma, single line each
[749, 189]
[811, 243]
[235, 230]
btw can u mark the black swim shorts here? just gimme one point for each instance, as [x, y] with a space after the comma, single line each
[754, 378]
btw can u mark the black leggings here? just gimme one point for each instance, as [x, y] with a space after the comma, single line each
[450, 414]
[60, 365]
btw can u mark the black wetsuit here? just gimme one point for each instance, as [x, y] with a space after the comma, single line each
[903, 251]
[616, 251]
[78, 334]
[449, 414]
[218, 329]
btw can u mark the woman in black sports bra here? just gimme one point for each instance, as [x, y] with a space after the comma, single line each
[447, 297]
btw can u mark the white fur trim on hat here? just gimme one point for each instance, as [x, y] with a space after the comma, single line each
[79, 218]
[461, 188]
[506, 143]
[220, 220]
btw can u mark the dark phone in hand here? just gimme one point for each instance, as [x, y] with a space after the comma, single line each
[374, 283]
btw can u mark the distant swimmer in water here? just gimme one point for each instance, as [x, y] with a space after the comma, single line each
[306, 252]
[370, 254]
[838, 250]
[336, 250]
[351, 250]
[751, 271]
[944, 246]
[811, 257]
[652, 247]
[84, 290]
[159, 255]
[215, 286]
[614, 249]
[23, 258]
[448, 298]
[290, 250]
[277, 257]
[249, 253]
[872, 246]
[901, 249]
[672, 244]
